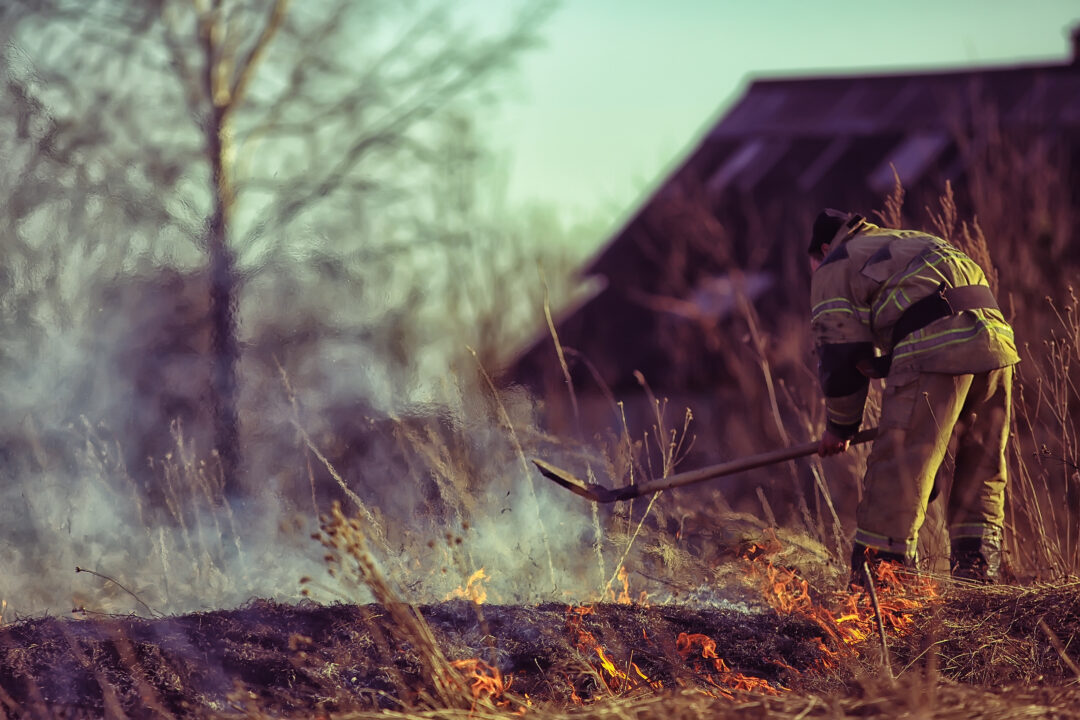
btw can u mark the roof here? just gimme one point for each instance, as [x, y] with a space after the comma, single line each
[909, 119]
[876, 104]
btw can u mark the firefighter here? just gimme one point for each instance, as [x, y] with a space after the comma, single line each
[911, 308]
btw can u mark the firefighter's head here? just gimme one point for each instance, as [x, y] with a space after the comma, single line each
[832, 227]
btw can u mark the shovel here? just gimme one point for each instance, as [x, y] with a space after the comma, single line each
[601, 494]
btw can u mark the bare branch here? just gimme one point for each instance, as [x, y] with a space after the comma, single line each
[189, 83]
[246, 69]
[397, 122]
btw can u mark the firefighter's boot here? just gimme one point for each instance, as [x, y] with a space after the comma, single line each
[976, 559]
[872, 558]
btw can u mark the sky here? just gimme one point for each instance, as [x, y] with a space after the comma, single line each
[622, 89]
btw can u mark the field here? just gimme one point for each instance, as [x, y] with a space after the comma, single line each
[260, 276]
[784, 650]
[417, 566]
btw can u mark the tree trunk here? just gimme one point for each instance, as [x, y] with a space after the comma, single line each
[225, 347]
[222, 264]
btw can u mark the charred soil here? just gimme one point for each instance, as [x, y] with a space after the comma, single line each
[984, 652]
[295, 659]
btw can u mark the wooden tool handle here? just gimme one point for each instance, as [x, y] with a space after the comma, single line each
[728, 468]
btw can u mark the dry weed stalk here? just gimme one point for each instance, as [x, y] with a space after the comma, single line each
[759, 346]
[183, 533]
[1048, 429]
[672, 444]
[375, 528]
[349, 554]
[576, 413]
[893, 214]
[525, 466]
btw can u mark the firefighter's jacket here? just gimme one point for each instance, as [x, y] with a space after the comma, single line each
[860, 291]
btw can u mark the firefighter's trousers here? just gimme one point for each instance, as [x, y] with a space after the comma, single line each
[918, 419]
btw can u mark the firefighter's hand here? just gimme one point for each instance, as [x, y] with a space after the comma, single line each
[832, 444]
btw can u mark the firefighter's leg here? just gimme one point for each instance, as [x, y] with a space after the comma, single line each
[976, 511]
[917, 420]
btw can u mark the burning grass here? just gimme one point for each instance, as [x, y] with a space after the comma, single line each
[801, 648]
[909, 699]
[293, 659]
[961, 652]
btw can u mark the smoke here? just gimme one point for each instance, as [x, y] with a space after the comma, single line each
[347, 314]
[533, 542]
[107, 470]
[69, 499]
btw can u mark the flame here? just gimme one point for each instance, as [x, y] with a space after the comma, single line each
[574, 697]
[486, 682]
[624, 578]
[614, 679]
[851, 619]
[846, 621]
[473, 590]
[715, 673]
[620, 681]
[623, 597]
[721, 676]
[685, 643]
[582, 639]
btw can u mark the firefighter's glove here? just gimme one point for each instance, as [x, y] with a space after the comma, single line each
[832, 444]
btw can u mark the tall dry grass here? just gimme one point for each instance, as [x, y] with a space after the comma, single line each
[666, 541]
[1012, 212]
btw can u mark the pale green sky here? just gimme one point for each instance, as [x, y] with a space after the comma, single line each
[623, 88]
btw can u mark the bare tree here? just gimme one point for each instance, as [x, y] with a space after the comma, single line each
[230, 124]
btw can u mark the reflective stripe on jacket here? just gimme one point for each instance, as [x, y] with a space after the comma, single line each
[860, 291]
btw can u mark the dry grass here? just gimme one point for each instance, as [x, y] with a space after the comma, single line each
[1011, 635]
[914, 698]
[677, 547]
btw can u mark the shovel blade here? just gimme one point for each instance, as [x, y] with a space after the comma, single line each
[587, 490]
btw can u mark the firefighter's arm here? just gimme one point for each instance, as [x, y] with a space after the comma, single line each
[844, 386]
[840, 324]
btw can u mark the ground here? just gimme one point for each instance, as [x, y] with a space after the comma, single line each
[955, 651]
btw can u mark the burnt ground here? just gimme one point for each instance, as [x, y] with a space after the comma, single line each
[977, 652]
[292, 659]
